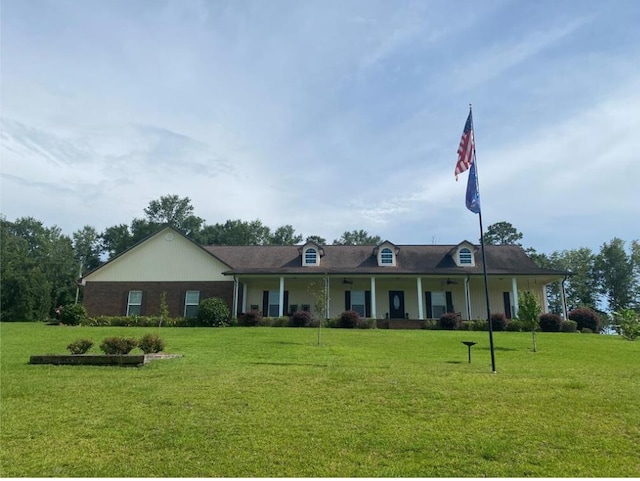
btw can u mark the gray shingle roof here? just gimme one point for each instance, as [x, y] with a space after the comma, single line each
[352, 260]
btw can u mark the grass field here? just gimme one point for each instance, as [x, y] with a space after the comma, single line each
[266, 402]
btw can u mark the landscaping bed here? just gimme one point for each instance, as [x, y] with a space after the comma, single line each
[124, 360]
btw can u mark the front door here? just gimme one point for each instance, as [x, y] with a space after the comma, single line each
[396, 304]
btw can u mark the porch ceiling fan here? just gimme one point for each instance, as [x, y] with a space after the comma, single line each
[449, 282]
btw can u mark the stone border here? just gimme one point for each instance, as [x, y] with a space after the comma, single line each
[89, 360]
[160, 355]
[124, 360]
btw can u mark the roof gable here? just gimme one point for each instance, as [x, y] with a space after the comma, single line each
[166, 255]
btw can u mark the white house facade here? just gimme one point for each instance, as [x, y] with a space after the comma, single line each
[387, 281]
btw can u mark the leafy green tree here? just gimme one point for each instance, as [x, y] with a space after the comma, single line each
[321, 241]
[554, 290]
[356, 238]
[38, 269]
[502, 233]
[319, 292]
[529, 313]
[87, 248]
[175, 211]
[285, 236]
[141, 229]
[582, 285]
[116, 239]
[616, 270]
[627, 323]
[235, 232]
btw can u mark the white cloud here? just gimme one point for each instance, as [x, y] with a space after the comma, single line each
[329, 116]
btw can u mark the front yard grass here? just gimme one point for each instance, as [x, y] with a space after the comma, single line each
[270, 402]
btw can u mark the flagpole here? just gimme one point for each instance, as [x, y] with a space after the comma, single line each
[484, 259]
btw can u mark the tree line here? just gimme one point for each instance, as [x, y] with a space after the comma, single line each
[605, 281]
[39, 265]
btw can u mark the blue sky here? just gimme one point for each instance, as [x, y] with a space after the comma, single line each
[326, 115]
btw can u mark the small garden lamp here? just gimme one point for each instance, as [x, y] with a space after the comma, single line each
[469, 344]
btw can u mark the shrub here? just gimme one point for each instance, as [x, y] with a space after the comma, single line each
[586, 330]
[499, 321]
[479, 325]
[213, 312]
[430, 324]
[139, 321]
[585, 318]
[118, 345]
[449, 321]
[332, 322]
[151, 343]
[80, 346]
[300, 319]
[627, 323]
[550, 322]
[515, 325]
[568, 326]
[348, 320]
[366, 323]
[251, 318]
[73, 314]
[465, 326]
[315, 322]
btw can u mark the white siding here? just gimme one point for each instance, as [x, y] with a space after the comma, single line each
[167, 256]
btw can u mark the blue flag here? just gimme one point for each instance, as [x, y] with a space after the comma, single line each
[473, 193]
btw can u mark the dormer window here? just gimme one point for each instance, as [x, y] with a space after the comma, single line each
[386, 256]
[386, 253]
[465, 256]
[311, 257]
[311, 254]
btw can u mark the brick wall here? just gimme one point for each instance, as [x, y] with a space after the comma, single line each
[110, 298]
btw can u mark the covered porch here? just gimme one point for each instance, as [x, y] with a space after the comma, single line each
[384, 298]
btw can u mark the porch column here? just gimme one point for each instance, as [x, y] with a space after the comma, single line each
[564, 299]
[467, 297]
[374, 315]
[420, 301]
[327, 299]
[244, 298]
[235, 297]
[281, 299]
[514, 290]
[545, 301]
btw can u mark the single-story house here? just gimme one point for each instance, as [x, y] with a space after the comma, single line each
[385, 281]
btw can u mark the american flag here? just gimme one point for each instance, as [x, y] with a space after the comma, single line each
[466, 148]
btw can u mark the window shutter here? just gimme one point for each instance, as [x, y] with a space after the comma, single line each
[367, 303]
[429, 308]
[285, 307]
[507, 305]
[265, 303]
[449, 302]
[347, 300]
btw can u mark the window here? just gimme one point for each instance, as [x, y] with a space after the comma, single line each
[273, 309]
[134, 303]
[386, 256]
[191, 303]
[465, 256]
[311, 257]
[358, 302]
[438, 304]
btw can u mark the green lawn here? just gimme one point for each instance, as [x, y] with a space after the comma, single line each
[266, 402]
